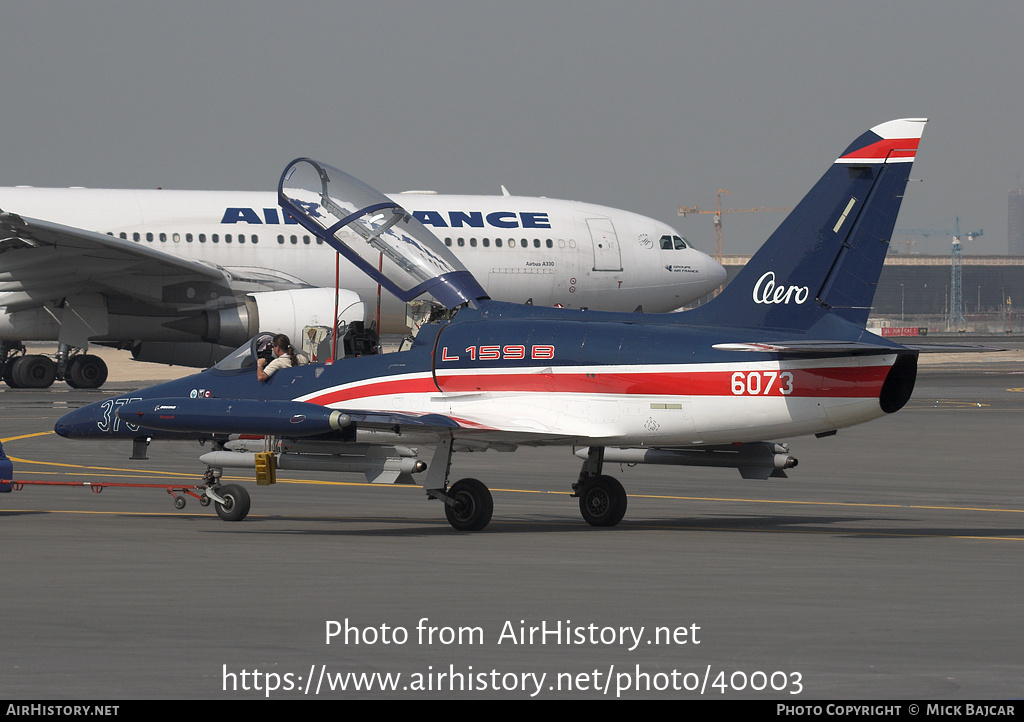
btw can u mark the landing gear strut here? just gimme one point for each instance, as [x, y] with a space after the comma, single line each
[468, 503]
[602, 498]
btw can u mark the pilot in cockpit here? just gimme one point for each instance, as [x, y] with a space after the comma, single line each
[281, 356]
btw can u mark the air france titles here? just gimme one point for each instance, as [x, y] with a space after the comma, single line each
[436, 219]
[476, 219]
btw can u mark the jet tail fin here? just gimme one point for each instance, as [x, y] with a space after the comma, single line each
[826, 257]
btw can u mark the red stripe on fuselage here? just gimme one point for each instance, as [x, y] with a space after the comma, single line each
[381, 387]
[837, 382]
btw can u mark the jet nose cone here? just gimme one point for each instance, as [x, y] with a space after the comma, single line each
[79, 423]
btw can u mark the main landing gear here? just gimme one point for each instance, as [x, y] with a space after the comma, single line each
[20, 370]
[602, 498]
[471, 505]
[468, 503]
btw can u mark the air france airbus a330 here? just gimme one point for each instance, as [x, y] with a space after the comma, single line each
[782, 352]
[183, 277]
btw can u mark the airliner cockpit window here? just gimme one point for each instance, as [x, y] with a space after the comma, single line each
[375, 233]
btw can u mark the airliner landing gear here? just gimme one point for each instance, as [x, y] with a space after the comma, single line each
[10, 353]
[602, 498]
[35, 371]
[32, 372]
[86, 371]
[471, 505]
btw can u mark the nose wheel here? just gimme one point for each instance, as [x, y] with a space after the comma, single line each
[231, 501]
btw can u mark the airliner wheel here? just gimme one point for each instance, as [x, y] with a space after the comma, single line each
[33, 372]
[86, 372]
[473, 505]
[603, 501]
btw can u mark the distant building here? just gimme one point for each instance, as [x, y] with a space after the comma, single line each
[1015, 225]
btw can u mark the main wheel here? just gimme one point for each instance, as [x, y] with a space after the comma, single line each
[473, 505]
[236, 503]
[86, 372]
[603, 501]
[34, 372]
[8, 375]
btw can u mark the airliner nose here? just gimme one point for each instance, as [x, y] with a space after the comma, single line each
[716, 273]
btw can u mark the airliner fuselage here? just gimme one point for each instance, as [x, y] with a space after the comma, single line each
[554, 252]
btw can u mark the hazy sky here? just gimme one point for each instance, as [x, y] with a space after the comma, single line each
[639, 105]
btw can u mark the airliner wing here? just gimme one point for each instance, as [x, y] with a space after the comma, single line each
[41, 261]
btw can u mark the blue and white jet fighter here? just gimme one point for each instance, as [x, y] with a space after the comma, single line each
[782, 352]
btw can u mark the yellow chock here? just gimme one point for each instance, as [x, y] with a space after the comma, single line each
[266, 468]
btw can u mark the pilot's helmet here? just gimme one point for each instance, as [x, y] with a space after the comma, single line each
[264, 346]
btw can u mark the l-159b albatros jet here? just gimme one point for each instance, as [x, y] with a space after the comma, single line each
[184, 277]
[781, 352]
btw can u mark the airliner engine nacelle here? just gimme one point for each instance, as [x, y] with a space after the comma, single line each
[286, 312]
[195, 355]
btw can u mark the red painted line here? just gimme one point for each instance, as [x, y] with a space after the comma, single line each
[837, 382]
[376, 388]
[845, 382]
[891, 148]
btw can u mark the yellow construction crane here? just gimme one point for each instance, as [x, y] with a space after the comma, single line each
[684, 211]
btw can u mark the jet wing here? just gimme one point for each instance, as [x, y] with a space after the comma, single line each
[285, 418]
[298, 419]
[42, 261]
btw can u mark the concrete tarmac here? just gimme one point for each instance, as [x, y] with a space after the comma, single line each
[887, 566]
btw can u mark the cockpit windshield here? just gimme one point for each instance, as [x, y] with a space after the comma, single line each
[375, 233]
[670, 243]
[244, 357]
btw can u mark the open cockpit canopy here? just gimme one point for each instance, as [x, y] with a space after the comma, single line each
[374, 232]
